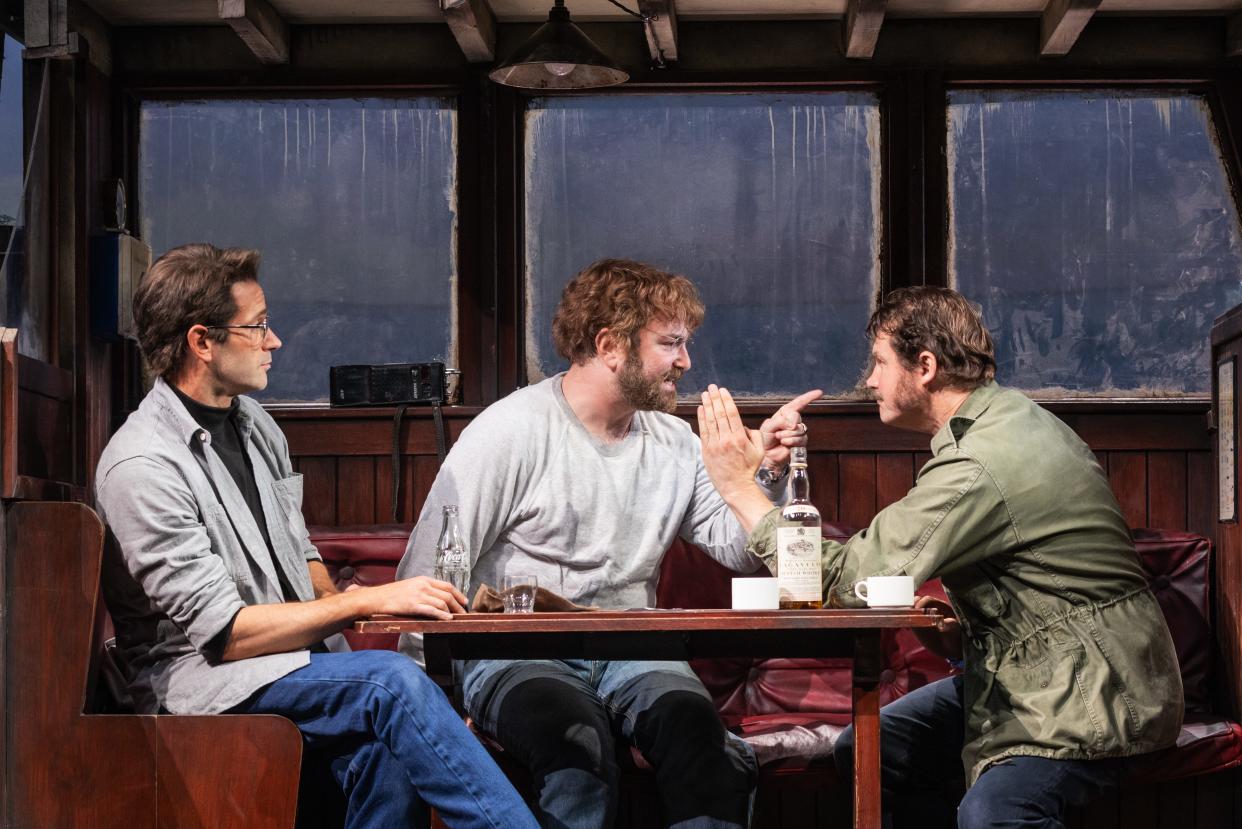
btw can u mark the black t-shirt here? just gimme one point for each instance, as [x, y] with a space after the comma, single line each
[226, 440]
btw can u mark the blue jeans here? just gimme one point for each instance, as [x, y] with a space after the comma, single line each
[562, 718]
[394, 743]
[921, 736]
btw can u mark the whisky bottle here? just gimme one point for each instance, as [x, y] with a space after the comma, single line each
[452, 557]
[798, 558]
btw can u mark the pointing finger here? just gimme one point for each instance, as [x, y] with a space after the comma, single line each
[801, 402]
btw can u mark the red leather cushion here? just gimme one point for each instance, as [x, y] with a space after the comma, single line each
[1207, 744]
[364, 555]
[1178, 565]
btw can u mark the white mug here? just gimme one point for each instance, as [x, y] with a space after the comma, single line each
[886, 591]
[755, 594]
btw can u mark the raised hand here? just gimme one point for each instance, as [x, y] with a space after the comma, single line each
[785, 429]
[731, 454]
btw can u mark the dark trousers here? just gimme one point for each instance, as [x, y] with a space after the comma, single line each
[924, 784]
[562, 719]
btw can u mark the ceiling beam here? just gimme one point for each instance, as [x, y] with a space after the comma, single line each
[660, 29]
[259, 26]
[474, 26]
[863, 19]
[1233, 37]
[1061, 24]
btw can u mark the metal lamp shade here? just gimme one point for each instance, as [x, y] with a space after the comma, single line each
[558, 56]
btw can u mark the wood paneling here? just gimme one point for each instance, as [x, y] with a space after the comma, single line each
[1127, 472]
[319, 488]
[894, 475]
[857, 503]
[1158, 463]
[823, 469]
[355, 490]
[1201, 494]
[1166, 489]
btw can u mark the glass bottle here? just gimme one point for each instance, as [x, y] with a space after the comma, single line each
[798, 559]
[452, 557]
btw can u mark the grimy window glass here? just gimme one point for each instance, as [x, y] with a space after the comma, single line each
[352, 204]
[1098, 232]
[768, 202]
[23, 305]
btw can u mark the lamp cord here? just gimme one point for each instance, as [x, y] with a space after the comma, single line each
[648, 22]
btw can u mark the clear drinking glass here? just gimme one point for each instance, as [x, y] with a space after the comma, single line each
[518, 593]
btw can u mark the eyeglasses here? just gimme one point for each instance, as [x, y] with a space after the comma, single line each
[262, 327]
[670, 344]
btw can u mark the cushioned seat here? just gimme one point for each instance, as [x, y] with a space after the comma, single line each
[791, 709]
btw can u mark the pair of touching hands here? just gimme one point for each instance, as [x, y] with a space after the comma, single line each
[733, 453]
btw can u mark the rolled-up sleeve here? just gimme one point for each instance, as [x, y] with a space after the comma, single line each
[167, 549]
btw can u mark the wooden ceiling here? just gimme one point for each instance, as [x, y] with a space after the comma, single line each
[149, 12]
[264, 24]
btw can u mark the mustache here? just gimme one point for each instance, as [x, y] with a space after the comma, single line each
[674, 374]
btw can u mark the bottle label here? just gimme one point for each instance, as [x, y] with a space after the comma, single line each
[798, 575]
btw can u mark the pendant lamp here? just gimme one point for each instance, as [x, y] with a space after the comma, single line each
[558, 56]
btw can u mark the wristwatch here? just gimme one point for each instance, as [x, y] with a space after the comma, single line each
[769, 478]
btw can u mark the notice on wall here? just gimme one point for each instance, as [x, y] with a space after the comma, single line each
[1227, 439]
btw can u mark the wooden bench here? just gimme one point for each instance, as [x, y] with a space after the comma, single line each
[73, 768]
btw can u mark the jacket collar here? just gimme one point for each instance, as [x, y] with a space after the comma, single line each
[972, 409]
[174, 413]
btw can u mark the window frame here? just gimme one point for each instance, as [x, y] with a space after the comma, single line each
[516, 313]
[913, 173]
[465, 300]
[1224, 119]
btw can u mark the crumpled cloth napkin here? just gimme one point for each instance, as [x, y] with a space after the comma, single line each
[487, 600]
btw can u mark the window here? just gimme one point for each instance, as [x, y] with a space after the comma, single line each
[351, 202]
[1098, 232]
[21, 306]
[768, 202]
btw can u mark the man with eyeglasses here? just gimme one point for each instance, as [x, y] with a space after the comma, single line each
[584, 480]
[220, 601]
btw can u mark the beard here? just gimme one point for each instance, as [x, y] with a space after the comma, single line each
[646, 394]
[903, 402]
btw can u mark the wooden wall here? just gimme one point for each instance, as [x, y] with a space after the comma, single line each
[1157, 455]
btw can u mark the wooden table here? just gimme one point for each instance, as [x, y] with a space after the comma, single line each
[681, 635]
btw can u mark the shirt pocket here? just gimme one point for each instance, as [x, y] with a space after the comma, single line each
[288, 492]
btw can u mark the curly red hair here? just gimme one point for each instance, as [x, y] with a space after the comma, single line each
[623, 296]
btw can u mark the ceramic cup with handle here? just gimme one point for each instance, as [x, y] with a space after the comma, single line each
[886, 591]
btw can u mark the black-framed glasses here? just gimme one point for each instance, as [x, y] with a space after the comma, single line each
[262, 327]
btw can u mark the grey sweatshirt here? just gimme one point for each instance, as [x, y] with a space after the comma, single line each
[539, 495]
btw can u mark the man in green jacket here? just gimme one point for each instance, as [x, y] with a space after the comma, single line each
[1069, 666]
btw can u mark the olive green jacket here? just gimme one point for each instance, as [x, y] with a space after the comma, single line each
[1067, 653]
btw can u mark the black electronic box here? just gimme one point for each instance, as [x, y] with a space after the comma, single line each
[388, 384]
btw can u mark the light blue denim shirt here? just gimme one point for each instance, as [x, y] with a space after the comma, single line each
[183, 554]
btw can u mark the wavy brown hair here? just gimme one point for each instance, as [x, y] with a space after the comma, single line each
[189, 285]
[623, 296]
[942, 321]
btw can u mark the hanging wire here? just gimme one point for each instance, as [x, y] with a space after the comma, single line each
[649, 24]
